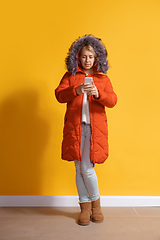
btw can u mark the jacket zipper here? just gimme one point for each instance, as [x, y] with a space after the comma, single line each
[90, 107]
[80, 129]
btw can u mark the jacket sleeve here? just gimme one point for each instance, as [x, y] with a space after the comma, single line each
[64, 92]
[107, 96]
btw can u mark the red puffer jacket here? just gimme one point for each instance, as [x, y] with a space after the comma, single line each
[66, 93]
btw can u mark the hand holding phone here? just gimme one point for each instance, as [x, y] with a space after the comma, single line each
[94, 91]
[86, 87]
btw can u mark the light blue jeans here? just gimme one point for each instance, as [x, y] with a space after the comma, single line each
[86, 178]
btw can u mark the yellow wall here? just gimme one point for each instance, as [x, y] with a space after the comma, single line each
[35, 37]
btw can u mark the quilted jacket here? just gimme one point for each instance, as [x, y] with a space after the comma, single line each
[66, 93]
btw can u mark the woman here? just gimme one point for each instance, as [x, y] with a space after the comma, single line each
[85, 134]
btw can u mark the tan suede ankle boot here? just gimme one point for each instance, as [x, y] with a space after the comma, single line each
[97, 215]
[84, 217]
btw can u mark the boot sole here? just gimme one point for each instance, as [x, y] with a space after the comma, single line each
[83, 224]
[96, 221]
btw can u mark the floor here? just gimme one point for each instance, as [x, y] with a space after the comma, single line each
[61, 224]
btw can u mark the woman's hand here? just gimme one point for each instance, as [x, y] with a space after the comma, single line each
[84, 88]
[89, 89]
[94, 91]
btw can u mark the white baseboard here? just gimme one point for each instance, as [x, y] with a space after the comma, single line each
[72, 201]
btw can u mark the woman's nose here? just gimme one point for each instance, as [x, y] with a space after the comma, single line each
[87, 59]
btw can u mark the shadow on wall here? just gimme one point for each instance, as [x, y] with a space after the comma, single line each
[24, 134]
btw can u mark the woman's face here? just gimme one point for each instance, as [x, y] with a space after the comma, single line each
[87, 59]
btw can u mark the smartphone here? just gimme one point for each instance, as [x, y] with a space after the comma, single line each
[88, 80]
